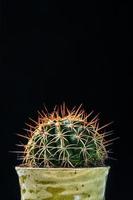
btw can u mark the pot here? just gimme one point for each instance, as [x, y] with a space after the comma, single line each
[62, 183]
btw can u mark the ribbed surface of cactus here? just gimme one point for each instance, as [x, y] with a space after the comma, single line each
[65, 138]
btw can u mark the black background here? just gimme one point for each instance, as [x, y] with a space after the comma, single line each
[66, 51]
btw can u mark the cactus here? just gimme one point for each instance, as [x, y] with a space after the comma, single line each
[65, 138]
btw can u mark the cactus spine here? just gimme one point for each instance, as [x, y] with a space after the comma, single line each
[65, 138]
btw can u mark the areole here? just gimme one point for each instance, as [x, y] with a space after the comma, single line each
[62, 183]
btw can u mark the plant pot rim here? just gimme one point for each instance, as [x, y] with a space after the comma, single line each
[61, 168]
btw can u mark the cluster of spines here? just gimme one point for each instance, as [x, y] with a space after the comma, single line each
[65, 138]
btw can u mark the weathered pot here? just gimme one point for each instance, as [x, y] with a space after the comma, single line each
[62, 183]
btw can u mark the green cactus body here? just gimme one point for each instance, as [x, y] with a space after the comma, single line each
[65, 139]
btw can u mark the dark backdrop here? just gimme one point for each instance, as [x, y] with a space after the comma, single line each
[62, 51]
